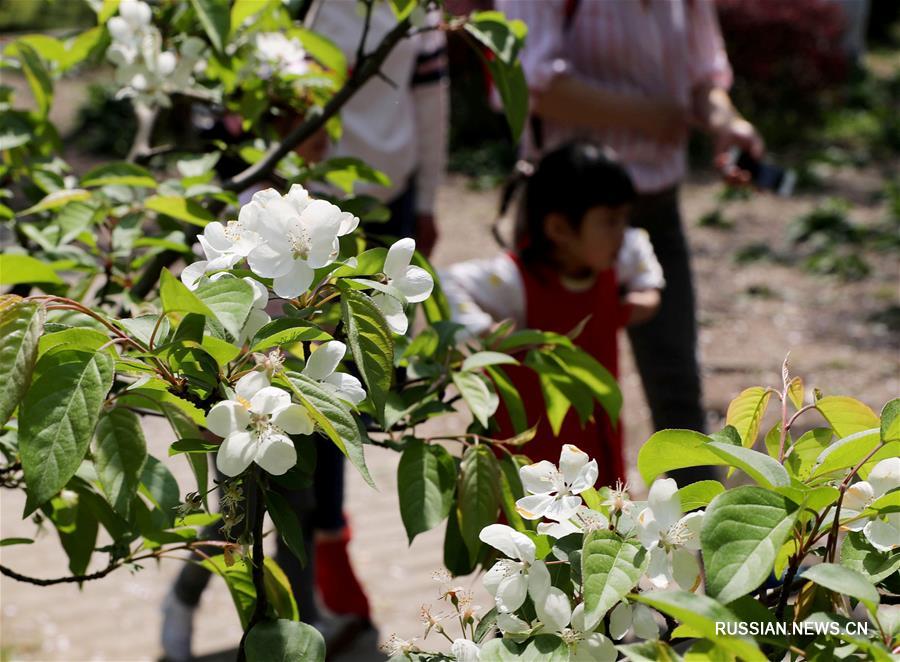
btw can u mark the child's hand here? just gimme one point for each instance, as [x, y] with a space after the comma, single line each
[643, 305]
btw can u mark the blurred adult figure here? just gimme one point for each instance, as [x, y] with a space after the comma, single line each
[636, 75]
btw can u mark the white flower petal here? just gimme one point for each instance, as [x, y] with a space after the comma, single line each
[227, 417]
[269, 400]
[511, 592]
[884, 535]
[691, 524]
[393, 312]
[295, 282]
[555, 610]
[214, 239]
[347, 387]
[509, 541]
[847, 514]
[324, 360]
[322, 221]
[298, 197]
[885, 476]
[644, 623]
[398, 258]
[236, 453]
[465, 651]
[571, 460]
[256, 320]
[557, 530]
[511, 624]
[416, 284]
[495, 575]
[665, 503]
[267, 261]
[276, 454]
[563, 508]
[586, 478]
[594, 648]
[658, 569]
[620, 620]
[251, 384]
[538, 581]
[293, 419]
[349, 223]
[539, 478]
[685, 568]
[192, 274]
[535, 506]
[858, 496]
[260, 293]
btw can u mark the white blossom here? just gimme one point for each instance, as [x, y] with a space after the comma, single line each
[224, 245]
[413, 283]
[670, 537]
[255, 425]
[635, 618]
[882, 532]
[278, 54]
[553, 493]
[465, 651]
[321, 366]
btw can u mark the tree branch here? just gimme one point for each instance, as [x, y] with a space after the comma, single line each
[256, 496]
[73, 579]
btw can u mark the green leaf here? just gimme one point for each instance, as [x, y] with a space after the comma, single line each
[159, 485]
[546, 648]
[178, 207]
[699, 494]
[701, 613]
[241, 10]
[119, 456]
[502, 36]
[746, 411]
[675, 449]
[511, 490]
[759, 466]
[846, 452]
[844, 581]
[502, 650]
[56, 200]
[284, 516]
[510, 82]
[795, 392]
[742, 531]
[284, 641]
[230, 300]
[78, 533]
[857, 554]
[591, 374]
[803, 453]
[177, 298]
[216, 21]
[426, 481]
[16, 269]
[21, 325]
[650, 651]
[847, 416]
[482, 401]
[324, 51]
[483, 359]
[611, 567]
[333, 417]
[512, 401]
[486, 625]
[890, 421]
[286, 331]
[119, 174]
[456, 553]
[36, 73]
[57, 419]
[344, 171]
[479, 495]
[371, 344]
[6, 542]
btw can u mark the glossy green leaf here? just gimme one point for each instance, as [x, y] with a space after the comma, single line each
[56, 199]
[547, 648]
[675, 449]
[16, 269]
[844, 581]
[699, 494]
[241, 10]
[483, 359]
[37, 75]
[21, 325]
[230, 300]
[857, 554]
[57, 418]
[284, 516]
[215, 17]
[371, 344]
[611, 567]
[745, 413]
[333, 418]
[119, 456]
[77, 531]
[284, 641]
[763, 469]
[846, 452]
[591, 374]
[846, 416]
[159, 485]
[426, 482]
[890, 421]
[178, 207]
[177, 298]
[482, 401]
[119, 174]
[742, 531]
[512, 401]
[479, 495]
[286, 331]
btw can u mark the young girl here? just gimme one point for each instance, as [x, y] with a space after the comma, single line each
[575, 259]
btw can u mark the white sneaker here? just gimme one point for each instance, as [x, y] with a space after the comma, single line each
[177, 629]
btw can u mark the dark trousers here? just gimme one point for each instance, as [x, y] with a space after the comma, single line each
[665, 347]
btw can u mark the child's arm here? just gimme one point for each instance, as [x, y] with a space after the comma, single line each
[484, 292]
[641, 277]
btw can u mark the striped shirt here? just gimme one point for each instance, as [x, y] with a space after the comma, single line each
[659, 49]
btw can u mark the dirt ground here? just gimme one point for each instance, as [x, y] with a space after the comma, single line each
[750, 317]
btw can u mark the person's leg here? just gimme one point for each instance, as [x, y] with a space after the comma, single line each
[665, 348]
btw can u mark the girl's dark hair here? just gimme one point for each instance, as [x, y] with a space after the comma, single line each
[569, 180]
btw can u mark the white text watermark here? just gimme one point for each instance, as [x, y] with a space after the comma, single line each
[802, 629]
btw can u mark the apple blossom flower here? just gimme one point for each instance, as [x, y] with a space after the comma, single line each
[464, 650]
[582, 521]
[882, 533]
[224, 245]
[280, 55]
[321, 366]
[397, 646]
[255, 425]
[299, 235]
[128, 29]
[670, 537]
[584, 644]
[636, 618]
[414, 283]
[553, 493]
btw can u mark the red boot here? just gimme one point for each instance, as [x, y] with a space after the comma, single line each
[340, 590]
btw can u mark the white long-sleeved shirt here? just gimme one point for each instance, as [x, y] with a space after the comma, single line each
[398, 127]
[485, 291]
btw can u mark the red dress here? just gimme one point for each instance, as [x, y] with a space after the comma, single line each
[549, 306]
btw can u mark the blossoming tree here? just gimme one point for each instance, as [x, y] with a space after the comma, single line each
[291, 324]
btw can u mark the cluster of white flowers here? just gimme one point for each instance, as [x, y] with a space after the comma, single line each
[143, 69]
[287, 237]
[883, 532]
[279, 55]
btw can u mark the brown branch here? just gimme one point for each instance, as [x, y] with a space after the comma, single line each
[73, 579]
